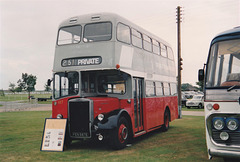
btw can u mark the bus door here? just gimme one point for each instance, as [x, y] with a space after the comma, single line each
[138, 103]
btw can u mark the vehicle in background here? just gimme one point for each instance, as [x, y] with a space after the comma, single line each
[222, 95]
[189, 94]
[184, 100]
[196, 101]
[44, 98]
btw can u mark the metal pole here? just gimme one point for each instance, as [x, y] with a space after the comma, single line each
[179, 78]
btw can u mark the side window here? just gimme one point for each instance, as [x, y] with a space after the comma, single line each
[166, 89]
[163, 50]
[156, 47]
[123, 33]
[150, 89]
[136, 38]
[147, 43]
[57, 86]
[173, 88]
[170, 53]
[159, 88]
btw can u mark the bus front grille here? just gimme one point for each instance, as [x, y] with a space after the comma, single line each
[79, 118]
[234, 137]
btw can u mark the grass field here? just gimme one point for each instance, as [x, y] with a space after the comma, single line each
[21, 135]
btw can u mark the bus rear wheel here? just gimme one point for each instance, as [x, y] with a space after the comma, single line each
[166, 121]
[120, 135]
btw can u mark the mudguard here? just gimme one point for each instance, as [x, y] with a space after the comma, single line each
[110, 120]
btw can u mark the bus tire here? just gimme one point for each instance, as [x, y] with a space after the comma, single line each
[166, 121]
[200, 106]
[120, 136]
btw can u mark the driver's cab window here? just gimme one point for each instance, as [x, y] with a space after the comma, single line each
[114, 84]
[88, 82]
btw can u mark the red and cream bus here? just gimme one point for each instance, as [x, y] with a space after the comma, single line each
[222, 95]
[112, 79]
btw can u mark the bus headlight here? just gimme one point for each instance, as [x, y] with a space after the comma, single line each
[224, 136]
[100, 117]
[59, 116]
[218, 124]
[232, 124]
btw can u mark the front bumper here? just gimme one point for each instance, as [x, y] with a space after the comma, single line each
[225, 153]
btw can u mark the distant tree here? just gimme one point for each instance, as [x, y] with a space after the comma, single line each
[18, 89]
[185, 86]
[200, 84]
[47, 88]
[27, 83]
[2, 93]
[188, 87]
[21, 85]
[12, 87]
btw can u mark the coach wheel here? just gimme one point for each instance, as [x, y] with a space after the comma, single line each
[120, 135]
[200, 106]
[166, 121]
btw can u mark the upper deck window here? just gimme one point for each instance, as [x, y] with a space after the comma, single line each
[163, 50]
[97, 32]
[123, 33]
[69, 35]
[170, 53]
[147, 43]
[156, 47]
[136, 38]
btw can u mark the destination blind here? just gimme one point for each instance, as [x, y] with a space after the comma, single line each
[81, 61]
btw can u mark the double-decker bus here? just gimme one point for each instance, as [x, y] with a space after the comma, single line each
[222, 95]
[112, 79]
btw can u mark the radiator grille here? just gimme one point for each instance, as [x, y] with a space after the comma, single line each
[79, 119]
[234, 137]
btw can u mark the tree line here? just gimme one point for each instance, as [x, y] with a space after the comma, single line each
[26, 83]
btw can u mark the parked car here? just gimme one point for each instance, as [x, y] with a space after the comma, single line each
[189, 94]
[184, 100]
[196, 101]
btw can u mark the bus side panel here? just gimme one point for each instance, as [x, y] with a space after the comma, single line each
[155, 108]
[160, 109]
[173, 106]
[151, 113]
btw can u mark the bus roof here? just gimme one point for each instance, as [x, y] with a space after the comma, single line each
[226, 35]
[104, 16]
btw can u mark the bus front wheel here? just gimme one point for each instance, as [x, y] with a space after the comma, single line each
[120, 135]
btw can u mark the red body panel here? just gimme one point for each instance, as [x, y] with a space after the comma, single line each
[104, 105]
[153, 109]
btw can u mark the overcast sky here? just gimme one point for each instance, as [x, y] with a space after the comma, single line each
[28, 30]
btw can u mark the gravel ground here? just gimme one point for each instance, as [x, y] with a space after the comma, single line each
[15, 106]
